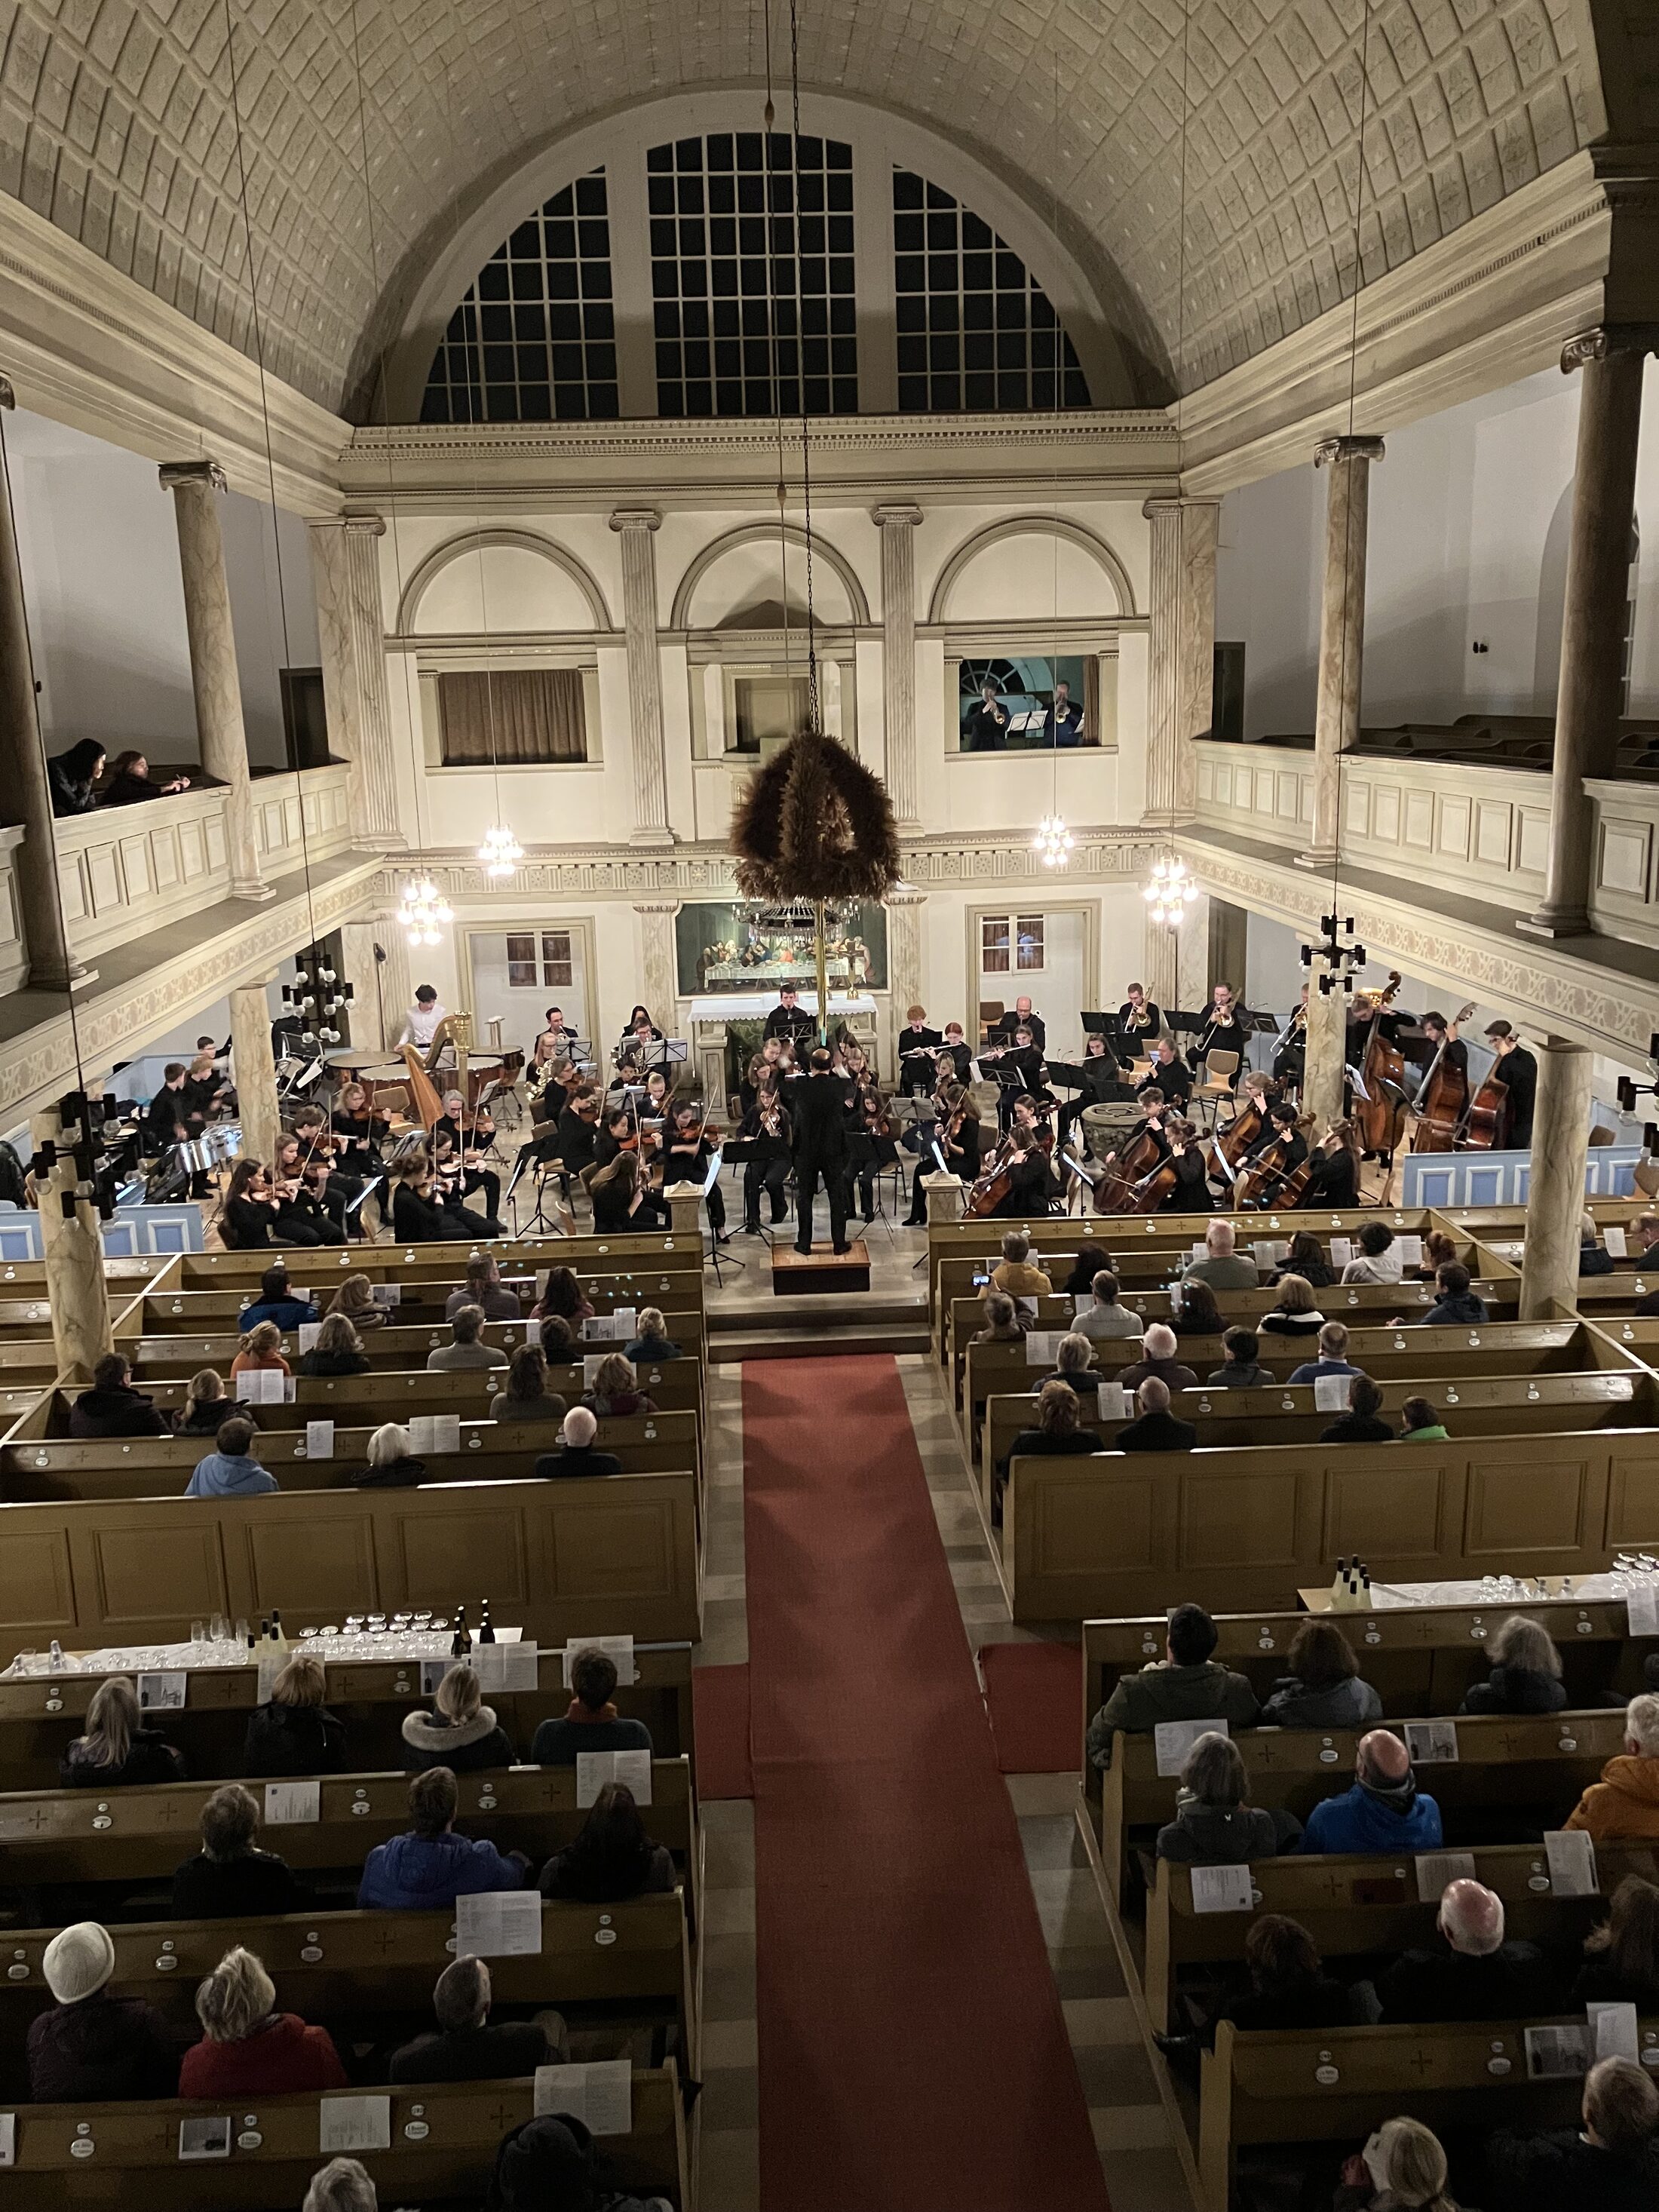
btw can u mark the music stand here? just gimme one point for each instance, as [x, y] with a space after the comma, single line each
[717, 1161]
[666, 1053]
[739, 1151]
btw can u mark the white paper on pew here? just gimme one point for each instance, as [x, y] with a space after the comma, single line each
[592, 1362]
[161, 1693]
[1222, 1889]
[292, 1804]
[272, 1664]
[1410, 1251]
[261, 1386]
[434, 1433]
[1331, 1392]
[1642, 1608]
[8, 2138]
[1435, 1869]
[319, 1439]
[1200, 1250]
[1113, 1401]
[1263, 1252]
[1571, 1856]
[1042, 1346]
[1556, 2051]
[309, 1332]
[208, 2138]
[499, 1924]
[387, 1294]
[291, 1390]
[507, 1667]
[595, 1768]
[348, 2123]
[1432, 1743]
[1026, 1306]
[1173, 1740]
[600, 2093]
[618, 1649]
[1082, 1302]
[1614, 2031]
[1613, 1237]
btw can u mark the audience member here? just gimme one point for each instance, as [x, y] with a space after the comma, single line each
[527, 1397]
[1379, 1259]
[1158, 1363]
[1625, 1800]
[1072, 1355]
[612, 1856]
[206, 1407]
[1186, 1685]
[260, 1352]
[355, 1299]
[295, 1733]
[459, 1733]
[1223, 1267]
[1092, 1260]
[338, 1350]
[1362, 1423]
[1526, 1672]
[1322, 1689]
[553, 2165]
[1610, 2164]
[558, 1340]
[230, 1470]
[1014, 1272]
[1193, 1312]
[117, 1752]
[1420, 1424]
[1213, 1825]
[249, 2049]
[1594, 1257]
[112, 1407]
[653, 1345]
[562, 1298]
[466, 2047]
[576, 1454]
[1382, 1811]
[1333, 1355]
[1469, 1972]
[1297, 1313]
[229, 1878]
[276, 1301]
[1621, 1957]
[428, 1867]
[466, 1347]
[1106, 1320]
[1402, 2169]
[1243, 1370]
[1437, 1248]
[591, 1723]
[391, 1461]
[1289, 1987]
[1004, 1322]
[1455, 1305]
[1306, 1258]
[482, 1287]
[342, 2186]
[1156, 1429]
[615, 1391]
[91, 2047]
[1058, 1434]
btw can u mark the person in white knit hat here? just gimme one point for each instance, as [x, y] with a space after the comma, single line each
[92, 2045]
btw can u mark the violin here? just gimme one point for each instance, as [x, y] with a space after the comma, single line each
[1442, 1098]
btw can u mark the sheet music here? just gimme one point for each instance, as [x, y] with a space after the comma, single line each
[619, 1650]
[600, 2094]
[511, 1668]
[595, 1768]
[349, 2123]
[501, 1923]
[292, 1804]
[1173, 1740]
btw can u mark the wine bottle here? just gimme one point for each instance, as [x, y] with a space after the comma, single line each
[486, 1633]
[461, 1644]
[1337, 1582]
[278, 1636]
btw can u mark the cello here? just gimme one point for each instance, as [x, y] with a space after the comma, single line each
[1483, 1124]
[1381, 1114]
[1443, 1096]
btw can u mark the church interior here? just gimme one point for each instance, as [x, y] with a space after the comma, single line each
[1046, 1345]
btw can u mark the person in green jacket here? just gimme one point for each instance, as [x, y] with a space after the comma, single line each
[1420, 1424]
[1185, 1684]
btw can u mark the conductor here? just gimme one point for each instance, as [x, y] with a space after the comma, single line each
[818, 1103]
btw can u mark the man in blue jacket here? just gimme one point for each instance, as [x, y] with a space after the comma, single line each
[1384, 1811]
[277, 1303]
[426, 1869]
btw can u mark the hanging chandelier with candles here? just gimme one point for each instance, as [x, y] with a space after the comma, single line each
[425, 912]
[501, 852]
[1170, 891]
[1053, 841]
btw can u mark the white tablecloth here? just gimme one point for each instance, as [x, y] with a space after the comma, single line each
[744, 1006]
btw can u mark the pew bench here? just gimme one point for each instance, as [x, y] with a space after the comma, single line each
[392, 1262]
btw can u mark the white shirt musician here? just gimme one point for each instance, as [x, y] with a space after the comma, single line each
[421, 1020]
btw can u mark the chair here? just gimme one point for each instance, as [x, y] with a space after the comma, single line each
[1219, 1069]
[990, 1010]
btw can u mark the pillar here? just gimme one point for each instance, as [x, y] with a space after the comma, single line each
[1159, 960]
[635, 526]
[1589, 693]
[1341, 629]
[213, 672]
[255, 1069]
[75, 1289]
[898, 527]
[660, 969]
[1555, 1196]
[1327, 1049]
[346, 575]
[1181, 678]
[904, 965]
[52, 965]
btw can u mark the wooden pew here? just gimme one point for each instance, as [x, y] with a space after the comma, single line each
[1357, 1907]
[1520, 1761]
[594, 1555]
[1336, 2084]
[41, 1714]
[398, 1345]
[389, 1262]
[678, 1284]
[1114, 1535]
[52, 1836]
[444, 2137]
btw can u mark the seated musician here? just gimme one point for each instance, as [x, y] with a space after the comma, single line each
[1138, 1018]
[789, 1019]
[1291, 1053]
[917, 1045]
[1103, 1083]
[1384, 1811]
[423, 1213]
[338, 1183]
[1213, 1825]
[955, 1057]
[458, 1182]
[1334, 1182]
[769, 1058]
[1167, 1076]
[617, 1135]
[958, 1136]
[554, 1041]
[302, 1217]
[621, 1200]
[1187, 1684]
[1031, 1182]
[576, 1132]
[689, 1152]
[766, 1126]
[1469, 1972]
[362, 1126]
[1186, 1155]
[1023, 1060]
[1281, 1129]
[641, 1029]
[471, 1131]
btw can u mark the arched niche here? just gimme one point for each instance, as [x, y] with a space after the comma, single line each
[1029, 568]
[515, 582]
[739, 581]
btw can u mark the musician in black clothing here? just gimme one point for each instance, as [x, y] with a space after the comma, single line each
[1168, 1075]
[173, 1120]
[1188, 1157]
[1102, 1084]
[1291, 1054]
[1445, 1040]
[641, 1029]
[1282, 1129]
[818, 1109]
[1222, 1030]
[1025, 1019]
[1518, 1070]
[958, 1136]
[362, 1128]
[1031, 1186]
[1138, 1017]
[1334, 1182]
[608, 1142]
[789, 1019]
[766, 1126]
[576, 1137]
[955, 1058]
[985, 726]
[916, 1045]
[1024, 1058]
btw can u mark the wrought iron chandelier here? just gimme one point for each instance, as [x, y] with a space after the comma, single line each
[425, 912]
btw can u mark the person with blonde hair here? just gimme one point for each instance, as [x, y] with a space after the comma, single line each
[1297, 1313]
[338, 1350]
[207, 1407]
[295, 1732]
[355, 1299]
[1074, 1358]
[1621, 1957]
[1402, 2169]
[249, 2049]
[1526, 1672]
[391, 1461]
[262, 1347]
[345, 2185]
[117, 1752]
[1625, 1800]
[1594, 1257]
[615, 1390]
[653, 1342]
[1213, 1825]
[460, 1732]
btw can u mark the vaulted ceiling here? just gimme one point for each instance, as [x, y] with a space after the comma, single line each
[368, 127]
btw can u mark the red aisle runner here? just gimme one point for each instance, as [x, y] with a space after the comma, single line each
[913, 2053]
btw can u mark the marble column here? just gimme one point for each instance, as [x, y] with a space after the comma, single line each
[1159, 961]
[346, 575]
[1341, 629]
[897, 526]
[635, 526]
[75, 1289]
[52, 965]
[904, 962]
[1555, 1196]
[213, 670]
[1589, 691]
[1327, 1054]
[1181, 679]
[254, 1066]
[660, 979]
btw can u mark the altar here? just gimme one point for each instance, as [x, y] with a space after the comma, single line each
[705, 1017]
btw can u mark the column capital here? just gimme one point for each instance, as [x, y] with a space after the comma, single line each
[906, 895]
[635, 518]
[1174, 503]
[1606, 340]
[363, 525]
[657, 906]
[899, 513]
[1348, 449]
[204, 471]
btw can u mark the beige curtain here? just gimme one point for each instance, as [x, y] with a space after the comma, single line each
[529, 714]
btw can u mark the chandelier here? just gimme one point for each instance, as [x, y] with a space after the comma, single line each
[1170, 891]
[501, 852]
[1053, 841]
[424, 911]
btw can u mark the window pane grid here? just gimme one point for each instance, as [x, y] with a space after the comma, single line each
[534, 340]
[976, 331]
[753, 293]
[557, 965]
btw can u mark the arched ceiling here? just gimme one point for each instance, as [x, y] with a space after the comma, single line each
[117, 123]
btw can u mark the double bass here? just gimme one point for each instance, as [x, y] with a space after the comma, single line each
[1442, 1098]
[1380, 1116]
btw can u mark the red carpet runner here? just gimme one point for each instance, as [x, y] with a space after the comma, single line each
[912, 2049]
